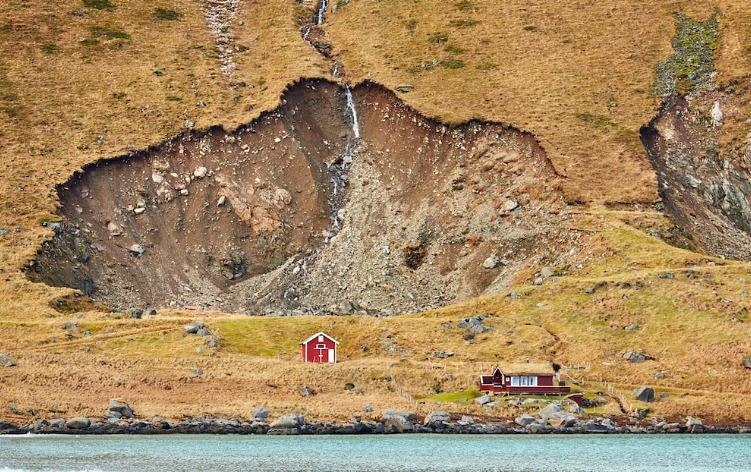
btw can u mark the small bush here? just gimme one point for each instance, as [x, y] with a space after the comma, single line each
[454, 49]
[99, 5]
[530, 28]
[598, 121]
[453, 64]
[463, 23]
[438, 38]
[487, 66]
[109, 33]
[166, 14]
[119, 95]
[89, 42]
[414, 255]
[463, 5]
[50, 48]
[424, 66]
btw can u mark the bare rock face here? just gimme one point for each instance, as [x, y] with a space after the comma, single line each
[705, 185]
[291, 213]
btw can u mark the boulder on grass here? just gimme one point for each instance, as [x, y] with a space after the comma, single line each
[644, 394]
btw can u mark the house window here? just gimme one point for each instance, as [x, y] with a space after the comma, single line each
[514, 381]
[320, 346]
[524, 380]
[320, 338]
[533, 381]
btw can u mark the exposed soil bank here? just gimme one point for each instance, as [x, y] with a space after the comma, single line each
[291, 212]
[704, 184]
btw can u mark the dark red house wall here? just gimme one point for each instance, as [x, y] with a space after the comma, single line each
[545, 380]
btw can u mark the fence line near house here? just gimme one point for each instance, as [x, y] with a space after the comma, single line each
[624, 402]
[400, 391]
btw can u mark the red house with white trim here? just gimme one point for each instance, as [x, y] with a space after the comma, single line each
[319, 348]
[523, 379]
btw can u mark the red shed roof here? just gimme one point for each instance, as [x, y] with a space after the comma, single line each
[319, 334]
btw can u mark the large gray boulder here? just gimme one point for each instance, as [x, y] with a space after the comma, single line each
[562, 420]
[525, 420]
[287, 425]
[483, 400]
[746, 362]
[644, 394]
[397, 423]
[193, 328]
[636, 357]
[408, 415]
[121, 408]
[436, 416]
[57, 423]
[694, 424]
[7, 361]
[288, 421]
[260, 413]
[78, 423]
[550, 411]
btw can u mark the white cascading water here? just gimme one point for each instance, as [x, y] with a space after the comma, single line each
[353, 112]
[338, 169]
[321, 11]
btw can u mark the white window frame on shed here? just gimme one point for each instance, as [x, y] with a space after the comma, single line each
[514, 380]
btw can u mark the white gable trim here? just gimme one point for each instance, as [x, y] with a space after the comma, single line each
[321, 333]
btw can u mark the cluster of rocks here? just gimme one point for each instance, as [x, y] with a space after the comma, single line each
[346, 307]
[121, 419]
[637, 357]
[545, 274]
[200, 329]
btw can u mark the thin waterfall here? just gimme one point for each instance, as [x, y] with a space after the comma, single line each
[321, 11]
[352, 111]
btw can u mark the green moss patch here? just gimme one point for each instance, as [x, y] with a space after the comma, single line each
[692, 63]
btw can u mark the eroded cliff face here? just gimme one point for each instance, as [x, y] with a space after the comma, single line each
[700, 147]
[292, 213]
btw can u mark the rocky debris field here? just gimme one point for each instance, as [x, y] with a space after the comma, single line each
[292, 214]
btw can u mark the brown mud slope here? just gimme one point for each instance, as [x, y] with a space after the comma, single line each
[292, 213]
[700, 147]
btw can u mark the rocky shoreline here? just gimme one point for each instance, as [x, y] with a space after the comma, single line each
[391, 422]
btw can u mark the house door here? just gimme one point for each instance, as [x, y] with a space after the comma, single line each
[332, 356]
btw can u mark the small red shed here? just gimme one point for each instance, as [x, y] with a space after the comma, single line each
[523, 379]
[319, 348]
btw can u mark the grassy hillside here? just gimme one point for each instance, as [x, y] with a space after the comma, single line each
[80, 83]
[692, 313]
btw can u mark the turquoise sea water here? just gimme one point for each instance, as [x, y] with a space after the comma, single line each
[377, 453]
